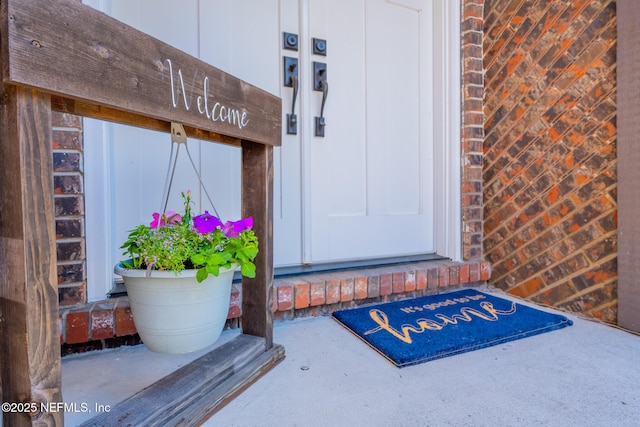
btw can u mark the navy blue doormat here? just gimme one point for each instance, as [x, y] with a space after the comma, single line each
[427, 328]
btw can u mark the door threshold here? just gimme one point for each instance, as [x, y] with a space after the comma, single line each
[297, 270]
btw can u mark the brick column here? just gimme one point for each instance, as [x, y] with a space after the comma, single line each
[472, 129]
[68, 182]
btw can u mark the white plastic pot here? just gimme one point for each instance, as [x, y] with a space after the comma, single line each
[175, 314]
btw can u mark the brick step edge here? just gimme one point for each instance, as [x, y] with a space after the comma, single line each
[307, 295]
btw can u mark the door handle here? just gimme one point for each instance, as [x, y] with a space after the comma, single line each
[320, 122]
[320, 83]
[292, 119]
[291, 80]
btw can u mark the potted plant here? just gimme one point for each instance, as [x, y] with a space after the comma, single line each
[179, 276]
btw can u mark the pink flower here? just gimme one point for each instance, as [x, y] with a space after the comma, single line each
[234, 228]
[169, 217]
[206, 223]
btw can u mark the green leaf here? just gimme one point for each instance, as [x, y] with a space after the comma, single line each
[197, 259]
[251, 252]
[213, 269]
[248, 270]
[215, 259]
[201, 274]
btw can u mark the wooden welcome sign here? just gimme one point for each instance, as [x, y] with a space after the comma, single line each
[71, 50]
[64, 56]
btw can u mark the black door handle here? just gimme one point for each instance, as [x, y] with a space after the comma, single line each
[320, 122]
[291, 80]
[320, 83]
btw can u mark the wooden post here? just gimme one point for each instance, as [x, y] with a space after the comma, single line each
[257, 201]
[30, 350]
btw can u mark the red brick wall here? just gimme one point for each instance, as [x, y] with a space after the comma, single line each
[550, 153]
[68, 184]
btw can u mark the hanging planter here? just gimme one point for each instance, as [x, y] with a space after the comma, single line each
[179, 273]
[173, 312]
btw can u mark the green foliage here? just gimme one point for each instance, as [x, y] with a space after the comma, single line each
[175, 244]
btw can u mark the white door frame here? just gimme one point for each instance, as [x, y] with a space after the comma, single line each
[98, 208]
[448, 110]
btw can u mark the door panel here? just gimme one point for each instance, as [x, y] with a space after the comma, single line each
[371, 183]
[393, 109]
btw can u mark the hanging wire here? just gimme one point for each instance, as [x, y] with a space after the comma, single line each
[179, 138]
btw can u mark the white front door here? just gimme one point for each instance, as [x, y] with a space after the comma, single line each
[364, 191]
[371, 176]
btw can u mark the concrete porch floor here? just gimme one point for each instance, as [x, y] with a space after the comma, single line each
[587, 374]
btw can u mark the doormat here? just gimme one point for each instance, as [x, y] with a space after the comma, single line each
[433, 327]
